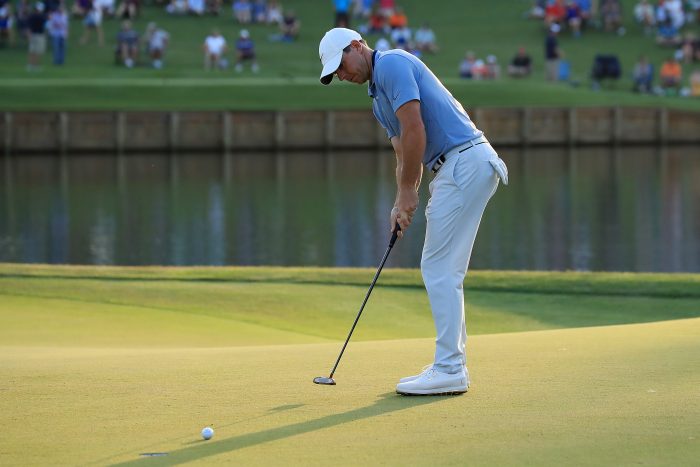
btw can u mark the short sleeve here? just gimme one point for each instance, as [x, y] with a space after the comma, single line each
[397, 77]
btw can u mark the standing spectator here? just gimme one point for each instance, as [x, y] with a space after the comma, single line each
[6, 36]
[36, 24]
[245, 48]
[342, 13]
[214, 50]
[671, 74]
[58, 31]
[425, 39]
[157, 40]
[643, 75]
[242, 11]
[552, 54]
[466, 67]
[521, 65]
[128, 44]
[93, 20]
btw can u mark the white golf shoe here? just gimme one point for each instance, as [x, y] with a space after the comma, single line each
[411, 378]
[433, 382]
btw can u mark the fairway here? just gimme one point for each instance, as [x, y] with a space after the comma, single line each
[99, 366]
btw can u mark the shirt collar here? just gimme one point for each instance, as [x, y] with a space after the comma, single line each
[371, 88]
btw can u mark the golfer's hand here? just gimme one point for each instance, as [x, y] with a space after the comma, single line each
[405, 208]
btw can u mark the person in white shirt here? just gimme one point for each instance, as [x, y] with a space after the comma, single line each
[214, 49]
[425, 39]
[157, 40]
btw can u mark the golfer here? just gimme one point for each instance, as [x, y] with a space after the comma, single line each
[427, 126]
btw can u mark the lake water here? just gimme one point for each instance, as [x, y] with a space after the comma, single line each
[601, 209]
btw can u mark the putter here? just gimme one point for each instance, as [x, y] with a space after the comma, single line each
[329, 381]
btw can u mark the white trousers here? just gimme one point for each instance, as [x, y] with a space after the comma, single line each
[458, 196]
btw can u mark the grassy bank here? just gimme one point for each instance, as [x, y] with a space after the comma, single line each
[289, 72]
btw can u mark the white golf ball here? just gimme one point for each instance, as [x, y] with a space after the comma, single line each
[207, 432]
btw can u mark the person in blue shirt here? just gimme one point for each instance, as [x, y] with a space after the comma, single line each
[427, 127]
[245, 49]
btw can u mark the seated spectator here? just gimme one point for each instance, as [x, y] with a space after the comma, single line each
[644, 15]
[93, 21]
[290, 26]
[129, 9]
[377, 22]
[382, 45]
[690, 48]
[585, 11]
[259, 11]
[128, 44]
[671, 74]
[695, 83]
[398, 19]
[492, 69]
[611, 14]
[521, 65]
[157, 40]
[214, 50]
[425, 39]
[363, 8]
[573, 17]
[196, 7]
[466, 67]
[538, 10]
[274, 13]
[674, 9]
[6, 35]
[242, 11]
[643, 75]
[387, 7]
[666, 34]
[403, 35]
[213, 7]
[245, 50]
[554, 12]
[177, 7]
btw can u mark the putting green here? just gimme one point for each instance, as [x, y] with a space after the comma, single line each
[615, 395]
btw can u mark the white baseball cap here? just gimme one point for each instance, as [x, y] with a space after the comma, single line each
[330, 50]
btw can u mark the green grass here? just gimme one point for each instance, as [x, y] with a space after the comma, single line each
[288, 79]
[101, 364]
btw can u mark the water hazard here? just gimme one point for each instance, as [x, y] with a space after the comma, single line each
[601, 209]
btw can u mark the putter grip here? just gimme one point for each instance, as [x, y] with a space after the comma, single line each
[395, 235]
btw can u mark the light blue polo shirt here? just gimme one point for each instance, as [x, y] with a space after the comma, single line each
[399, 77]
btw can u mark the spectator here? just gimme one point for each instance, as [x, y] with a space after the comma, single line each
[196, 7]
[242, 11]
[22, 11]
[214, 50]
[552, 53]
[274, 13]
[674, 8]
[342, 13]
[667, 34]
[129, 9]
[479, 69]
[398, 20]
[213, 7]
[6, 36]
[573, 17]
[58, 31]
[177, 7]
[377, 22]
[585, 11]
[363, 8]
[644, 15]
[671, 74]
[611, 14]
[521, 65]
[492, 69]
[36, 24]
[259, 11]
[289, 27]
[81, 8]
[425, 39]
[245, 48]
[93, 20]
[157, 40]
[690, 48]
[695, 83]
[401, 35]
[128, 44]
[386, 7]
[466, 67]
[554, 12]
[382, 45]
[643, 75]
[106, 7]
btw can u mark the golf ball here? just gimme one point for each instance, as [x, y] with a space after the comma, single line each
[207, 432]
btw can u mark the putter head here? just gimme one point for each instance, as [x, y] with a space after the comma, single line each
[324, 380]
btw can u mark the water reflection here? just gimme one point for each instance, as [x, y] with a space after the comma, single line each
[634, 209]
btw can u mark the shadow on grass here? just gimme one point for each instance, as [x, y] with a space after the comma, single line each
[387, 403]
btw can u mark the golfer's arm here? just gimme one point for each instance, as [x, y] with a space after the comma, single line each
[412, 146]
